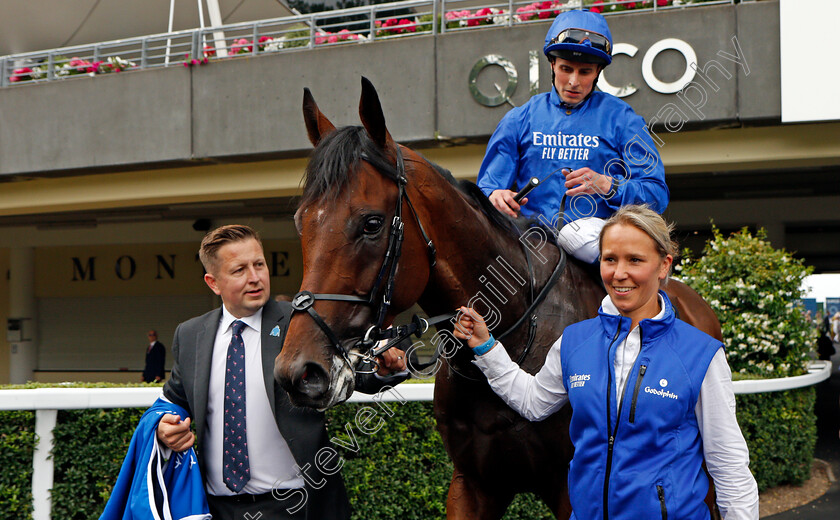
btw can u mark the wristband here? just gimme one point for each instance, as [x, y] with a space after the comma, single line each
[484, 347]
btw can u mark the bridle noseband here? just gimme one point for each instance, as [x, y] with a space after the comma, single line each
[305, 300]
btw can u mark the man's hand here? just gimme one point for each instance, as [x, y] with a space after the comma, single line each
[503, 200]
[586, 180]
[391, 361]
[175, 433]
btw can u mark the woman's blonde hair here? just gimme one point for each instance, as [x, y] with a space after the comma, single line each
[650, 222]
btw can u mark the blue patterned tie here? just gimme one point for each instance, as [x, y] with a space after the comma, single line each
[236, 471]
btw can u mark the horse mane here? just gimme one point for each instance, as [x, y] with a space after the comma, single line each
[334, 163]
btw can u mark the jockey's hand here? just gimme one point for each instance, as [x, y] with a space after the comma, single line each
[586, 180]
[503, 200]
[391, 361]
[175, 433]
[471, 327]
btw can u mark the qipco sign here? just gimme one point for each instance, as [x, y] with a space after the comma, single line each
[503, 92]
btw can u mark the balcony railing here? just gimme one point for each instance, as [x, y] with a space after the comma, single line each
[341, 27]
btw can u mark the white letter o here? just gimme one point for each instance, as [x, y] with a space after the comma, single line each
[647, 65]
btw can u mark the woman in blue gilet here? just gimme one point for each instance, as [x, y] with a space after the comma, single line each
[651, 396]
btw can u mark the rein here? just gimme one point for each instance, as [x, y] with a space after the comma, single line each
[305, 300]
[535, 302]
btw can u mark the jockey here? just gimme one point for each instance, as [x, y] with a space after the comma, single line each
[585, 143]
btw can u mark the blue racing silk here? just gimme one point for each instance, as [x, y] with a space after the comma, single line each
[545, 135]
[145, 490]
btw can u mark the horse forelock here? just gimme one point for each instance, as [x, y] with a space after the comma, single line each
[335, 163]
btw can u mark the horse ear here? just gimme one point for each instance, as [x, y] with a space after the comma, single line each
[370, 112]
[317, 124]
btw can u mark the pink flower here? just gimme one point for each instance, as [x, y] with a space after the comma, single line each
[209, 50]
[526, 13]
[661, 3]
[241, 46]
[332, 39]
[457, 15]
[407, 26]
[485, 15]
[82, 66]
[629, 4]
[345, 35]
[20, 74]
[597, 6]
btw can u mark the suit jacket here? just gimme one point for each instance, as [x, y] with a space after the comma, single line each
[303, 428]
[155, 360]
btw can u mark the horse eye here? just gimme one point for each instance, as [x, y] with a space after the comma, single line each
[372, 225]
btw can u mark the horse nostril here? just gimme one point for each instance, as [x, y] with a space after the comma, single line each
[313, 381]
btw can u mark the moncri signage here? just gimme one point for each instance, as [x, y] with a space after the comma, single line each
[504, 92]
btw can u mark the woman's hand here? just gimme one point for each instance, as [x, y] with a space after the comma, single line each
[471, 327]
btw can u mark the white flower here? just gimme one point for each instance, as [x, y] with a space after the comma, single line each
[501, 18]
[274, 45]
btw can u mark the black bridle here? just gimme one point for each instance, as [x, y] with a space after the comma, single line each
[305, 300]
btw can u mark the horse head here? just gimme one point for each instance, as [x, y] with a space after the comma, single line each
[354, 187]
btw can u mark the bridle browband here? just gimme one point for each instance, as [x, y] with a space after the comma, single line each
[305, 300]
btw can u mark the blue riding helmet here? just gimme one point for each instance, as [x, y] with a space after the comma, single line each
[580, 35]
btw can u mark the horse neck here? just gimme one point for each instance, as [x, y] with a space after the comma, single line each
[475, 259]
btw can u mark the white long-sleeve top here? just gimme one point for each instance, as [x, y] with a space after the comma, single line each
[724, 448]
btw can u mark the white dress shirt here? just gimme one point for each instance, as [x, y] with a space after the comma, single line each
[724, 448]
[271, 462]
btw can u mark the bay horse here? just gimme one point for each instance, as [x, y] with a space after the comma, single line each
[455, 248]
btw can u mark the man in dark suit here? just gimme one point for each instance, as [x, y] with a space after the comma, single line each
[155, 359]
[257, 452]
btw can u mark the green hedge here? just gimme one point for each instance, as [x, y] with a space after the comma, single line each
[400, 472]
[90, 446]
[17, 443]
[781, 431]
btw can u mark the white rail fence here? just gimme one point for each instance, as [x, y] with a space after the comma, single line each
[46, 402]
